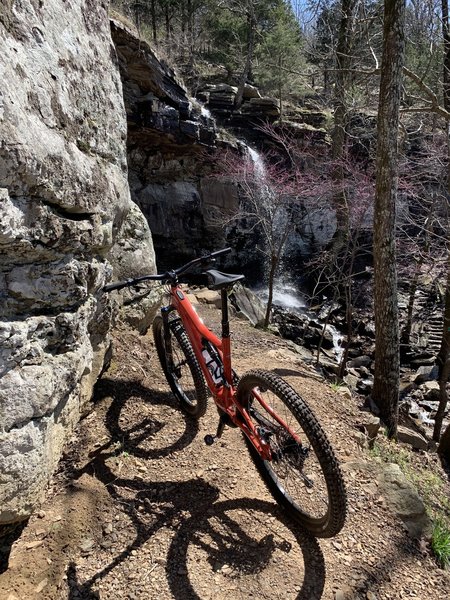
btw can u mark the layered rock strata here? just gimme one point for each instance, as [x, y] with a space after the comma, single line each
[170, 137]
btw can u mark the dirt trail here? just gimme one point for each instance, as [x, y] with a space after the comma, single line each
[142, 509]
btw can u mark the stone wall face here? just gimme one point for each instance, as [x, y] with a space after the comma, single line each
[64, 207]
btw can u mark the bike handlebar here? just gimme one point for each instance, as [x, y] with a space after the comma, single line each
[169, 275]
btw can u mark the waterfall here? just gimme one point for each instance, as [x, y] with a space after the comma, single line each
[258, 163]
[205, 112]
[286, 294]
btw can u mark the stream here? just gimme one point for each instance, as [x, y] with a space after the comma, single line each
[287, 297]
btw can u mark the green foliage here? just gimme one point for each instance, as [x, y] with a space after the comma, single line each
[227, 34]
[390, 452]
[280, 56]
[440, 543]
[336, 386]
[218, 32]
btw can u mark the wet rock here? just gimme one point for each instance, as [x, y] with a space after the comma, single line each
[190, 128]
[360, 361]
[429, 405]
[365, 385]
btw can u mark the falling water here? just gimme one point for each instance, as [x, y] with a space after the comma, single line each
[258, 163]
[285, 294]
[205, 112]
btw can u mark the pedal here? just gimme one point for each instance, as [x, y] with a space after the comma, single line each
[210, 439]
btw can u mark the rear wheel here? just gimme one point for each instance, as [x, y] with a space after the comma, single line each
[303, 474]
[183, 372]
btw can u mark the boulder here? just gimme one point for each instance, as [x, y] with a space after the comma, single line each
[221, 88]
[156, 99]
[352, 381]
[431, 390]
[425, 373]
[399, 493]
[370, 424]
[250, 91]
[249, 304]
[261, 107]
[413, 438]
[65, 202]
[360, 361]
[403, 498]
[365, 386]
[208, 297]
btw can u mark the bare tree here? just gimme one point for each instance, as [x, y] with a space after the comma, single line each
[443, 358]
[343, 64]
[387, 360]
[268, 195]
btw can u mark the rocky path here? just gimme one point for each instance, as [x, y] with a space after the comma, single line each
[142, 509]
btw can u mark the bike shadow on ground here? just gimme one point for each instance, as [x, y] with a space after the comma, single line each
[293, 373]
[138, 438]
[185, 507]
[142, 439]
[242, 536]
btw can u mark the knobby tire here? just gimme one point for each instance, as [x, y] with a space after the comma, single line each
[185, 377]
[304, 478]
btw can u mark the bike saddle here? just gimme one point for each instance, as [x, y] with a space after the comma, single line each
[218, 280]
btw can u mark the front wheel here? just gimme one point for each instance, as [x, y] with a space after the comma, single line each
[182, 371]
[303, 474]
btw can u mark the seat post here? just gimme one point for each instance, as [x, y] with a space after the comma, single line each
[225, 318]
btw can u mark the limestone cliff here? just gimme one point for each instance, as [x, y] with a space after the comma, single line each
[65, 209]
[169, 138]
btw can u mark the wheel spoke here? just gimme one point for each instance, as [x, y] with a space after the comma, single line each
[303, 474]
[182, 371]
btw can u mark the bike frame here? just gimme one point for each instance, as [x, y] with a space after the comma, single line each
[224, 394]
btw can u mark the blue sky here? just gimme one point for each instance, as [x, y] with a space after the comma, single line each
[301, 7]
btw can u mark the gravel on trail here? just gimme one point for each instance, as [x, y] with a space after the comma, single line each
[142, 509]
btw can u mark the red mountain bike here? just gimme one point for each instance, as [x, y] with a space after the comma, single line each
[285, 441]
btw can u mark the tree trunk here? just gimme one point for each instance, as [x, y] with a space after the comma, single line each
[443, 357]
[251, 23]
[343, 62]
[387, 363]
[444, 445]
[153, 14]
[272, 272]
[280, 88]
[167, 19]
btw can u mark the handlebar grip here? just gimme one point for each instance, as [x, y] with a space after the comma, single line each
[117, 286]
